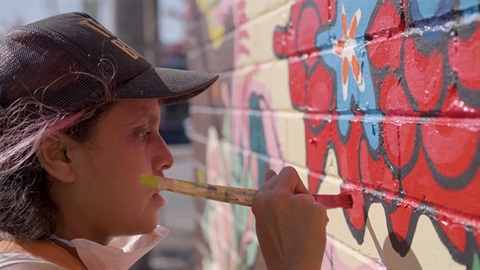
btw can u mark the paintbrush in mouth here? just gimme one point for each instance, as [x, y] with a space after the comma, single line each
[233, 195]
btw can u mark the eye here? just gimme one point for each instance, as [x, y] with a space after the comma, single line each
[143, 133]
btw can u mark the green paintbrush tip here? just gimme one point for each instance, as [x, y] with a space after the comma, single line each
[148, 180]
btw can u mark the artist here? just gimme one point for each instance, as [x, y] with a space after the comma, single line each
[79, 120]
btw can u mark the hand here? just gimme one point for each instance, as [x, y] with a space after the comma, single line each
[290, 224]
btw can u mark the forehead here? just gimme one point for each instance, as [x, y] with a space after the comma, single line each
[132, 109]
[139, 104]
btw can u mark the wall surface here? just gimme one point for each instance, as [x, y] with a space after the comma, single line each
[379, 98]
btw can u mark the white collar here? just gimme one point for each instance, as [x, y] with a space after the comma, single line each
[121, 253]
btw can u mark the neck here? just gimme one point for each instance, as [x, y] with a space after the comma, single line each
[71, 232]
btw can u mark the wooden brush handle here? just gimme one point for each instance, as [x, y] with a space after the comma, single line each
[241, 196]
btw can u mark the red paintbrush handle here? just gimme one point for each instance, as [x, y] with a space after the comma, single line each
[342, 200]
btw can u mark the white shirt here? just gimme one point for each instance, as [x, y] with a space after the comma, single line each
[121, 253]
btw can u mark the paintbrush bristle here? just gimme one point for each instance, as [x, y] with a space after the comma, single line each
[345, 200]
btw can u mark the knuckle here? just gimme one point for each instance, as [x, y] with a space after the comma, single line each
[304, 198]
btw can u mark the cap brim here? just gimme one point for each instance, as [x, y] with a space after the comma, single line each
[171, 85]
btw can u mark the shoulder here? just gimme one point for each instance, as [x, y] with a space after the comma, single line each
[32, 266]
[13, 261]
[46, 252]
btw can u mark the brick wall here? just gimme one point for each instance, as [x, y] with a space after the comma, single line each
[380, 98]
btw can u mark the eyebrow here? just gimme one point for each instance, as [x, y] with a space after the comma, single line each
[151, 117]
[154, 119]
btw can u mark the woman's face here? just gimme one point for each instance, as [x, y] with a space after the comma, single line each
[106, 199]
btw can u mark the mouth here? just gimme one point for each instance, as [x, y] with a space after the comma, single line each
[155, 194]
[158, 199]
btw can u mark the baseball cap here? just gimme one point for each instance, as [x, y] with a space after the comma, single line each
[67, 60]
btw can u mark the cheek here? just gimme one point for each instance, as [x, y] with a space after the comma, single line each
[100, 164]
[125, 162]
[117, 160]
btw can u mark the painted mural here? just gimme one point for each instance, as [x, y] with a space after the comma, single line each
[378, 98]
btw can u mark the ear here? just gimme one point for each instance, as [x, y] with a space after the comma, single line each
[53, 154]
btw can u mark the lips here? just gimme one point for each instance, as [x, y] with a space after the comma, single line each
[156, 193]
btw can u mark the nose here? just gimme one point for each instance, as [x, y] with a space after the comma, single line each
[162, 157]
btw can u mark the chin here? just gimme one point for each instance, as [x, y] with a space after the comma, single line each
[149, 229]
[148, 226]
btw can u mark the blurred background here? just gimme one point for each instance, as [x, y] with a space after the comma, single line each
[157, 30]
